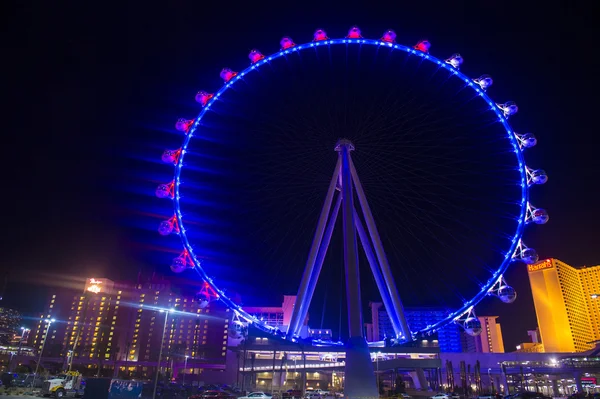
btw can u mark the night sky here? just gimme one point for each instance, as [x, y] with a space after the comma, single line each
[91, 94]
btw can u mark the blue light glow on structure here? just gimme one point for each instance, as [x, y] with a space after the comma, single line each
[469, 83]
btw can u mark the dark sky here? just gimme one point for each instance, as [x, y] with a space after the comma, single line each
[88, 88]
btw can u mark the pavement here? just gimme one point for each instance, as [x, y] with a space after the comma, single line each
[19, 397]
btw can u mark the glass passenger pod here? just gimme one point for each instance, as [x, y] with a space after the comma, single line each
[423, 45]
[472, 326]
[354, 33]
[529, 256]
[537, 176]
[526, 140]
[255, 56]
[286, 43]
[507, 294]
[165, 190]
[205, 295]
[389, 36]
[168, 226]
[540, 216]
[484, 81]
[509, 108]
[227, 74]
[203, 97]
[236, 330]
[181, 263]
[320, 35]
[455, 60]
[171, 156]
[184, 125]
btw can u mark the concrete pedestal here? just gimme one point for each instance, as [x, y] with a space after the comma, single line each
[360, 379]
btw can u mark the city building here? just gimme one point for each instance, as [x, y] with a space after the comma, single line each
[275, 316]
[10, 322]
[269, 365]
[489, 341]
[551, 374]
[566, 304]
[535, 346]
[380, 327]
[120, 325]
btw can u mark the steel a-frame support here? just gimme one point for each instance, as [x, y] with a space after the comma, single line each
[360, 379]
[345, 184]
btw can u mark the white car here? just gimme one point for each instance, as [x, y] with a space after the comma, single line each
[256, 395]
[441, 396]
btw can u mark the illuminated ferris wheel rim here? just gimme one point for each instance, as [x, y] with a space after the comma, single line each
[528, 177]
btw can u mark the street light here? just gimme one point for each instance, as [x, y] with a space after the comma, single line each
[161, 349]
[49, 321]
[184, 368]
[595, 296]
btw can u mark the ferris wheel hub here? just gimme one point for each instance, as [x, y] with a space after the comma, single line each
[344, 143]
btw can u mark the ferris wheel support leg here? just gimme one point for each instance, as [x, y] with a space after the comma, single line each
[355, 324]
[375, 269]
[301, 303]
[359, 374]
[320, 258]
[398, 309]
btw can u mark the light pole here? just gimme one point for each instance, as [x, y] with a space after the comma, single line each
[23, 331]
[377, 372]
[160, 351]
[184, 368]
[49, 321]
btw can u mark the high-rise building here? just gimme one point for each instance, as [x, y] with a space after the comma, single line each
[490, 340]
[275, 316]
[449, 337]
[10, 321]
[123, 323]
[566, 304]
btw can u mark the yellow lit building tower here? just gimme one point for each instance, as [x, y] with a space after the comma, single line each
[566, 305]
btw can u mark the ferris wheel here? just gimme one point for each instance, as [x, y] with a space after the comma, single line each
[491, 124]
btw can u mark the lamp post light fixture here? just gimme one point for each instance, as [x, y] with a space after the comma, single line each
[49, 321]
[161, 349]
[184, 368]
[595, 296]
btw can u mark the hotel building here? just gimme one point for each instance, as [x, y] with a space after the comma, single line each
[111, 324]
[567, 305]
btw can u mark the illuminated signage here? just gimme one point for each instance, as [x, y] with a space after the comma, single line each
[94, 286]
[588, 381]
[547, 264]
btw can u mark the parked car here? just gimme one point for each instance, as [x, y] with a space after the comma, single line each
[292, 393]
[213, 394]
[441, 395]
[256, 395]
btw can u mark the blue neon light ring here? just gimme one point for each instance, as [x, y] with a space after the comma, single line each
[467, 306]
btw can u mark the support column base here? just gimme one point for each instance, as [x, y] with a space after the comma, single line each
[360, 381]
